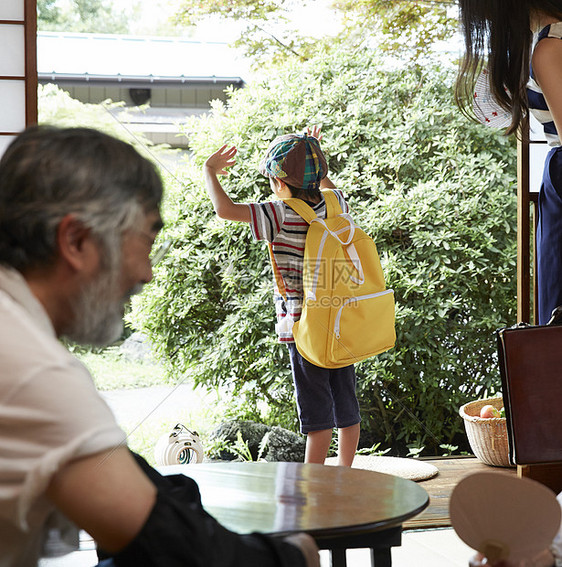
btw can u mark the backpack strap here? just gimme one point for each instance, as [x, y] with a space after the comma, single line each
[301, 208]
[277, 273]
[333, 207]
[307, 213]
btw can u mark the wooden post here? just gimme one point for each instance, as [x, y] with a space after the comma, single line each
[31, 80]
[523, 233]
[548, 474]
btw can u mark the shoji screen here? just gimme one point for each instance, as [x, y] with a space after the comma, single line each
[18, 67]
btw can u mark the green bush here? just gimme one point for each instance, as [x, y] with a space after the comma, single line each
[435, 191]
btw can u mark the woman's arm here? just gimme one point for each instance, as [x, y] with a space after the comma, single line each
[547, 65]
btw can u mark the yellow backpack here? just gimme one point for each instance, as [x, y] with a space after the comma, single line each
[347, 313]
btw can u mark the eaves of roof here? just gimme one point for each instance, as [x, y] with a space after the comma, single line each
[137, 81]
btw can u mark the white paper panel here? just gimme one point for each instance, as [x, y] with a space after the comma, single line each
[5, 141]
[12, 97]
[11, 9]
[12, 50]
[537, 155]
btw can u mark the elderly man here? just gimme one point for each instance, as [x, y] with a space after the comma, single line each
[79, 212]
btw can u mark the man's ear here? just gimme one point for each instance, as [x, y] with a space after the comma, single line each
[75, 243]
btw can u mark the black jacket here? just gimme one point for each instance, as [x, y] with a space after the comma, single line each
[179, 533]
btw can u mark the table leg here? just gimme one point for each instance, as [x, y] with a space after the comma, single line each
[381, 557]
[338, 558]
[379, 542]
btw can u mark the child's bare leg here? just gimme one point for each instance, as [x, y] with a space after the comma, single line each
[348, 439]
[317, 446]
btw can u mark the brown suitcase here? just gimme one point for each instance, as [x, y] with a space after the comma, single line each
[530, 359]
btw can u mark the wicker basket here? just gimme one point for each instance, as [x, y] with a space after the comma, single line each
[487, 436]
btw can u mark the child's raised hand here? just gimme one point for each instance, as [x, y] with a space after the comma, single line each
[314, 131]
[221, 159]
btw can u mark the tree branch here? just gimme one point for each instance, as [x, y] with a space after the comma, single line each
[275, 38]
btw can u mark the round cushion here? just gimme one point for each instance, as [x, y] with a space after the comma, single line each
[410, 469]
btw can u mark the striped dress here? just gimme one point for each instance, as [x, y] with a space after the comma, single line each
[537, 102]
[549, 228]
[277, 223]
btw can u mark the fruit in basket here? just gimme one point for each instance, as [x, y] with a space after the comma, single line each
[488, 411]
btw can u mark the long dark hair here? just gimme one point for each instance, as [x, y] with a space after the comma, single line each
[498, 34]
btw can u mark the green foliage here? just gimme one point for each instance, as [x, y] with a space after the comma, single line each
[436, 192]
[113, 371]
[57, 107]
[267, 32]
[374, 450]
[403, 28]
[270, 31]
[241, 450]
[448, 449]
[96, 16]
[48, 13]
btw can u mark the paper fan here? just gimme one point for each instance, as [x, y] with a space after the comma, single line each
[504, 517]
[485, 106]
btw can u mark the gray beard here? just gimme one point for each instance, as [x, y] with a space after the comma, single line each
[98, 320]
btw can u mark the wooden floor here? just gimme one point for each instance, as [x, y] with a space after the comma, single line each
[440, 487]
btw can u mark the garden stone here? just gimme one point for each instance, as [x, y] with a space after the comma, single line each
[252, 434]
[136, 348]
[283, 445]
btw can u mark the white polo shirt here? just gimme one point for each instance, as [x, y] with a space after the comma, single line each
[50, 413]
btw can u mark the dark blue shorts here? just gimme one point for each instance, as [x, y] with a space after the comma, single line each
[325, 396]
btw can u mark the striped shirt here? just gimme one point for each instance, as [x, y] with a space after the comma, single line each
[537, 102]
[277, 223]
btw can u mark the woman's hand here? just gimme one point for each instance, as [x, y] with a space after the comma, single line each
[480, 561]
[543, 559]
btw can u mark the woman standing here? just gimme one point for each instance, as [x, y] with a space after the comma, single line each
[520, 42]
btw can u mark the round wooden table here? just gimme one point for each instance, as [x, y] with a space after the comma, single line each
[341, 508]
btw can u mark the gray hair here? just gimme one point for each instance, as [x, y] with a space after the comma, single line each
[49, 172]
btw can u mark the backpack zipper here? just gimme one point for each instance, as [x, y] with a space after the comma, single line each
[355, 299]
